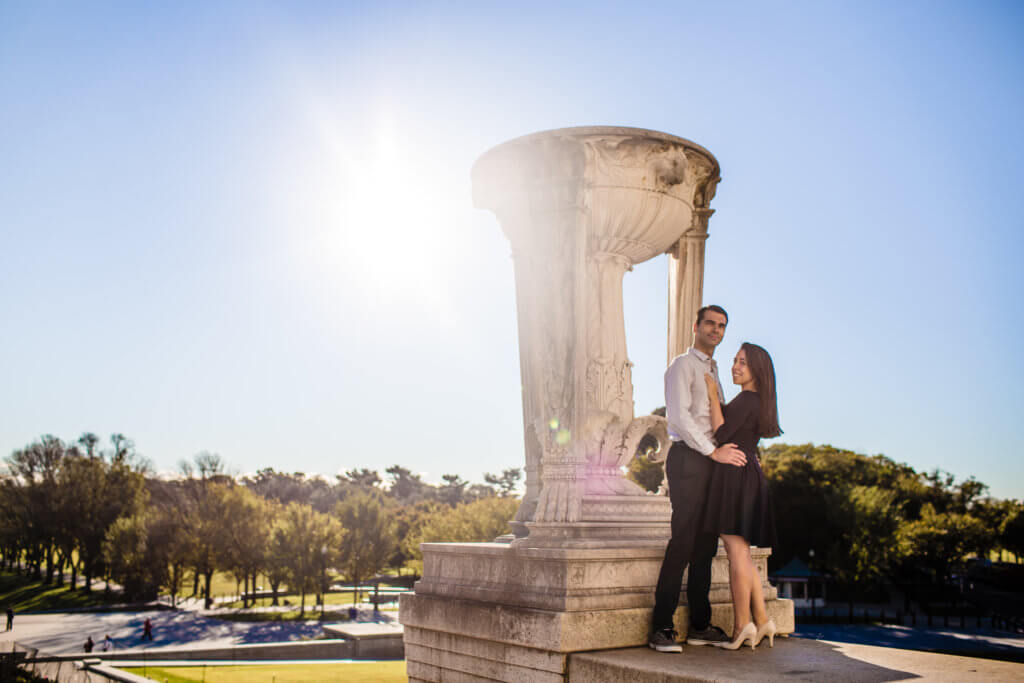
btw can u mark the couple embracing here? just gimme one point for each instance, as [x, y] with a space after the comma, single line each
[716, 487]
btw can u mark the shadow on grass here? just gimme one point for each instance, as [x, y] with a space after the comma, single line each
[24, 594]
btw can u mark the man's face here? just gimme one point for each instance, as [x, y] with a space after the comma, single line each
[710, 330]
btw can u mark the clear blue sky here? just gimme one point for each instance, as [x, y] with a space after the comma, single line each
[246, 227]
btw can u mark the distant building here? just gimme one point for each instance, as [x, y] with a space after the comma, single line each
[801, 584]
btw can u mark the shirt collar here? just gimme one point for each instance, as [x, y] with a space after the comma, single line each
[700, 354]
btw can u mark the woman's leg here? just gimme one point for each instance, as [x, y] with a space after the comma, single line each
[739, 582]
[756, 594]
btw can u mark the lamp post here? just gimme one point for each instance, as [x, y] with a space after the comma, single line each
[810, 585]
[323, 579]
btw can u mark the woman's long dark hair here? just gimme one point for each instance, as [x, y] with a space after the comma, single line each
[763, 370]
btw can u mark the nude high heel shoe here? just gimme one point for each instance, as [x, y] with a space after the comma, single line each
[747, 633]
[767, 629]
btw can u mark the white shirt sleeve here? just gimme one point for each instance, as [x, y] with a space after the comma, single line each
[677, 408]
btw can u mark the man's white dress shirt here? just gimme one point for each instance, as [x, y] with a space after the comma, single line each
[687, 407]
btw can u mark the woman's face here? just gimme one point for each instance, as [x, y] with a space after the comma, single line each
[740, 372]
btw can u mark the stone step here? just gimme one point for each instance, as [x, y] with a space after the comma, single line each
[792, 659]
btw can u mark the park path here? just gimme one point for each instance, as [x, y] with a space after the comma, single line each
[970, 642]
[65, 633]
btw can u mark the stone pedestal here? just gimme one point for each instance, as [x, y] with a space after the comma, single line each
[496, 611]
[580, 207]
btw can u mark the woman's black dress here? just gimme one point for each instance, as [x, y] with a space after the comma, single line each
[738, 498]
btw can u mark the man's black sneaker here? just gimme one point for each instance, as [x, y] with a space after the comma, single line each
[664, 640]
[709, 636]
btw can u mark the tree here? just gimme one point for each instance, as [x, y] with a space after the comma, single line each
[646, 472]
[204, 515]
[362, 478]
[133, 559]
[506, 482]
[309, 538]
[243, 534]
[1011, 531]
[409, 519]
[296, 487]
[481, 520]
[992, 514]
[406, 487]
[119, 491]
[870, 545]
[370, 538]
[453, 490]
[168, 531]
[277, 557]
[37, 467]
[939, 541]
[642, 469]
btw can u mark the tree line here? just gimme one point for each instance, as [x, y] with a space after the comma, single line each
[870, 519]
[867, 520]
[94, 511]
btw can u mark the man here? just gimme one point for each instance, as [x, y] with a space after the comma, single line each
[688, 471]
[10, 618]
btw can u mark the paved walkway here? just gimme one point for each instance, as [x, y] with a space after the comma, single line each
[65, 633]
[970, 642]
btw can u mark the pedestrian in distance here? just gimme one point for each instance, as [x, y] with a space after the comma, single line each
[10, 618]
[147, 630]
[88, 644]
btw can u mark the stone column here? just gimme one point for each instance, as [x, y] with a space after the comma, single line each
[686, 282]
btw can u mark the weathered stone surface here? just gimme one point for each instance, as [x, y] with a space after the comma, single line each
[541, 629]
[513, 655]
[560, 632]
[498, 670]
[560, 578]
[421, 671]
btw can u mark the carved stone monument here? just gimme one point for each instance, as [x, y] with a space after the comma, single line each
[580, 207]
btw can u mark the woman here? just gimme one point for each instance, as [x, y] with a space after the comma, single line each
[739, 507]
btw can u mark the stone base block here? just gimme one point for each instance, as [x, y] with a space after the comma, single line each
[486, 630]
[561, 578]
[505, 612]
[468, 656]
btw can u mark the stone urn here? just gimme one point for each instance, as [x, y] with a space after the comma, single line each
[580, 207]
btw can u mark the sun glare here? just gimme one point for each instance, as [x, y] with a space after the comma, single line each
[389, 230]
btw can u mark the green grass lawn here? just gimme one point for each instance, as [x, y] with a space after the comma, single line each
[365, 672]
[27, 595]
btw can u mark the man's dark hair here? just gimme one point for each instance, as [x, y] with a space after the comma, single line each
[712, 307]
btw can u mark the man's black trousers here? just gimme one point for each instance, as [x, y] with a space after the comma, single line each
[688, 474]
